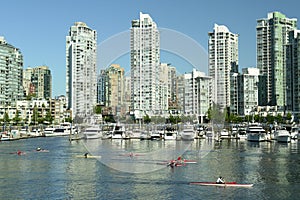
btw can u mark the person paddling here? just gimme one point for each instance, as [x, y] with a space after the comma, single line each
[220, 180]
[86, 155]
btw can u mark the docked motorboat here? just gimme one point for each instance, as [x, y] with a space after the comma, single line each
[5, 136]
[35, 132]
[145, 136]
[256, 133]
[188, 132]
[119, 131]
[282, 135]
[170, 135]
[52, 131]
[294, 132]
[92, 132]
[224, 133]
[242, 133]
[135, 133]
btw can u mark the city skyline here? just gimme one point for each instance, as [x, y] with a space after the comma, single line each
[38, 28]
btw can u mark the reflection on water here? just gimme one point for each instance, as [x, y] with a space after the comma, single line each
[273, 168]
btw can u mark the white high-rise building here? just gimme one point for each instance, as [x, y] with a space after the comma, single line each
[248, 91]
[223, 56]
[81, 69]
[196, 94]
[11, 66]
[145, 62]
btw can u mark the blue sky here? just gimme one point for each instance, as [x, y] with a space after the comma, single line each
[39, 27]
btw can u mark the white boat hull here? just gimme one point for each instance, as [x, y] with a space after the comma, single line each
[256, 137]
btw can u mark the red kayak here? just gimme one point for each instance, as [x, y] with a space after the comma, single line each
[227, 184]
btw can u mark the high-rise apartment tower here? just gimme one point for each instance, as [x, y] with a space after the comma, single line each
[81, 69]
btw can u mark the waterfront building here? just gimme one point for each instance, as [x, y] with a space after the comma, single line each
[102, 86]
[37, 82]
[163, 89]
[81, 70]
[172, 84]
[223, 56]
[180, 80]
[115, 89]
[145, 61]
[127, 93]
[34, 111]
[58, 109]
[271, 39]
[234, 93]
[248, 83]
[293, 69]
[197, 95]
[11, 77]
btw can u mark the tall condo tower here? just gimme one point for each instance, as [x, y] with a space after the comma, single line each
[223, 57]
[293, 72]
[271, 40]
[38, 82]
[81, 69]
[11, 67]
[145, 61]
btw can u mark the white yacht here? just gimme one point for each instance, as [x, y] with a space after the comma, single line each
[63, 129]
[119, 131]
[69, 129]
[135, 133]
[155, 135]
[224, 133]
[59, 131]
[188, 132]
[5, 136]
[242, 133]
[48, 131]
[294, 132]
[170, 135]
[282, 135]
[35, 132]
[256, 133]
[92, 132]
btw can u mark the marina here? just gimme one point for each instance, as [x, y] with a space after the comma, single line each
[63, 172]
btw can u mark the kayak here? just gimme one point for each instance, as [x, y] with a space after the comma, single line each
[227, 184]
[182, 161]
[88, 156]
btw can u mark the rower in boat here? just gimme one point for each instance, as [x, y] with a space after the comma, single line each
[220, 180]
[86, 155]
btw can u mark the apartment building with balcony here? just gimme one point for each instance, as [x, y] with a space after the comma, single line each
[11, 77]
[223, 56]
[271, 39]
[81, 70]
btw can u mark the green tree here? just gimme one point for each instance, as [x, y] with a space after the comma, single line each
[109, 118]
[34, 117]
[147, 119]
[17, 118]
[279, 118]
[6, 118]
[97, 109]
[270, 119]
[68, 119]
[288, 117]
[49, 117]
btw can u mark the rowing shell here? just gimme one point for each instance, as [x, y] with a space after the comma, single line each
[228, 184]
[181, 162]
[88, 156]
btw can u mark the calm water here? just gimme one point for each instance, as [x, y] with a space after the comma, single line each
[273, 168]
